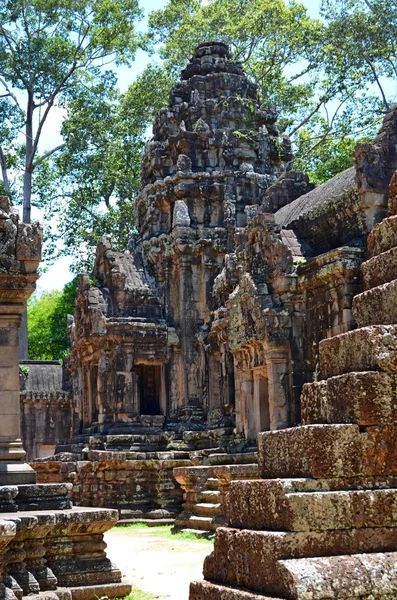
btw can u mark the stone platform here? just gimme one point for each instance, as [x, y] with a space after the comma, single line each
[54, 550]
[321, 523]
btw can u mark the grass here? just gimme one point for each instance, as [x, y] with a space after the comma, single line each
[164, 532]
[137, 594]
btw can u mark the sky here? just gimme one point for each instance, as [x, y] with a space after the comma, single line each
[58, 274]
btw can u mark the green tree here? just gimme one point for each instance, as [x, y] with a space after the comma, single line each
[47, 318]
[90, 184]
[48, 50]
[326, 78]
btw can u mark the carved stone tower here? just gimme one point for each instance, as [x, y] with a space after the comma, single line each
[214, 153]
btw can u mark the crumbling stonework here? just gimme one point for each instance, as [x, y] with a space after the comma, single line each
[48, 549]
[321, 521]
[204, 332]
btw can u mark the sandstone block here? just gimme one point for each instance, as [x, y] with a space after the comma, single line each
[328, 451]
[366, 398]
[304, 505]
[250, 559]
[377, 306]
[383, 237]
[336, 577]
[367, 349]
[380, 269]
[204, 590]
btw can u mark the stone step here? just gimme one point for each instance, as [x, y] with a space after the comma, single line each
[377, 306]
[204, 590]
[367, 349]
[366, 398]
[205, 523]
[383, 237]
[328, 451]
[380, 269]
[213, 484]
[238, 553]
[307, 505]
[208, 509]
[358, 576]
[210, 495]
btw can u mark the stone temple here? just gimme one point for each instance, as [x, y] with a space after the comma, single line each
[252, 311]
[203, 333]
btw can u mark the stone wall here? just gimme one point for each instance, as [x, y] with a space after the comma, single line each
[46, 407]
[137, 488]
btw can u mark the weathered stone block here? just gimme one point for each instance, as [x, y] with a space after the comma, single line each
[306, 505]
[371, 348]
[380, 269]
[358, 576]
[366, 398]
[250, 559]
[204, 590]
[383, 237]
[377, 306]
[328, 451]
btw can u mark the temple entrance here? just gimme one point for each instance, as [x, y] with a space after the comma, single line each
[263, 403]
[149, 386]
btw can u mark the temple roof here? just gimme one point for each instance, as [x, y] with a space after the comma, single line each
[308, 205]
[44, 376]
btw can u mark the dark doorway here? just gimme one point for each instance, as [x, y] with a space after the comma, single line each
[149, 378]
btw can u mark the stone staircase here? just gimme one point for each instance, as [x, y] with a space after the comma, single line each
[322, 521]
[205, 493]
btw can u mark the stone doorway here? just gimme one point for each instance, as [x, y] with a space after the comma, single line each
[261, 400]
[149, 388]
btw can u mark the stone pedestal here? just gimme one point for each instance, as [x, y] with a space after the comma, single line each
[13, 469]
[20, 249]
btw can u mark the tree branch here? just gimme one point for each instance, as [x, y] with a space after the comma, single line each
[46, 155]
[12, 95]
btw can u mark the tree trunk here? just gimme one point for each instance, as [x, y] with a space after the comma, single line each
[26, 212]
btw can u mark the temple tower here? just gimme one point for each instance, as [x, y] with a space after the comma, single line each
[215, 151]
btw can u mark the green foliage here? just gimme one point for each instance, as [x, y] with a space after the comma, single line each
[137, 594]
[47, 323]
[24, 369]
[91, 183]
[50, 51]
[164, 532]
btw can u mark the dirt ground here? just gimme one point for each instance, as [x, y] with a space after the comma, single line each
[155, 561]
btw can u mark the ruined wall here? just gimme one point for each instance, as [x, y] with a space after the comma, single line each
[46, 407]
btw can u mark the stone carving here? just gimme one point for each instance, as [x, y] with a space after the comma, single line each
[204, 332]
[181, 215]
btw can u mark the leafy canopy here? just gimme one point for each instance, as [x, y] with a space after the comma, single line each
[47, 323]
[49, 51]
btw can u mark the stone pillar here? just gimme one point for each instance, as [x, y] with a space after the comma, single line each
[20, 248]
[278, 369]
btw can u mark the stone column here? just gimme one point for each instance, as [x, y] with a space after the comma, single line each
[20, 248]
[278, 368]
